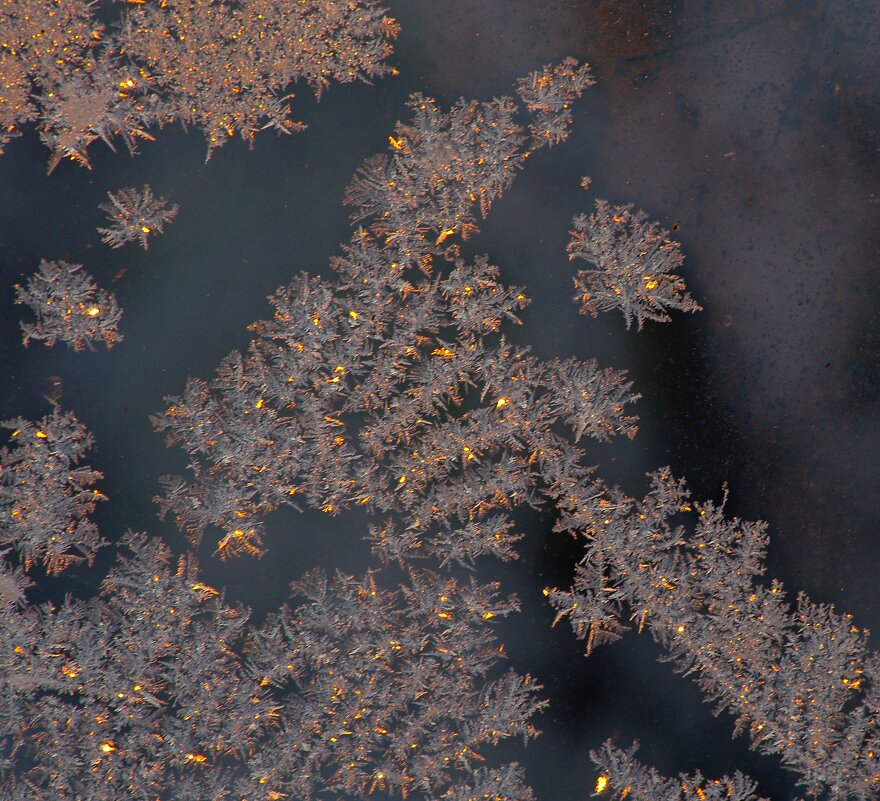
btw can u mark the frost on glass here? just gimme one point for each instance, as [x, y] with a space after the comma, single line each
[392, 387]
[446, 168]
[46, 496]
[397, 691]
[135, 216]
[548, 95]
[370, 684]
[799, 680]
[135, 694]
[391, 390]
[69, 307]
[224, 68]
[633, 266]
[160, 689]
[622, 776]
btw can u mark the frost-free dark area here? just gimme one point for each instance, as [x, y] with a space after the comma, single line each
[747, 130]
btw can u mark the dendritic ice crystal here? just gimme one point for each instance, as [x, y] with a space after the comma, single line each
[548, 95]
[389, 683]
[160, 689]
[633, 266]
[135, 216]
[46, 495]
[393, 389]
[622, 776]
[222, 67]
[802, 682]
[354, 394]
[425, 701]
[69, 307]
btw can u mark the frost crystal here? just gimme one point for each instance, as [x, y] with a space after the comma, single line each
[634, 266]
[222, 67]
[69, 307]
[802, 682]
[548, 95]
[622, 776]
[45, 497]
[392, 388]
[135, 216]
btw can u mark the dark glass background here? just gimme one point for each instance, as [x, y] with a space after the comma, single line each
[752, 129]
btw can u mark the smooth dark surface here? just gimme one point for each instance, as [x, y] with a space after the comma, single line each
[749, 128]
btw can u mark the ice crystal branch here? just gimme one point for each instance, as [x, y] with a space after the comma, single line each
[136, 694]
[158, 687]
[45, 497]
[47, 44]
[14, 583]
[801, 681]
[390, 389]
[548, 95]
[135, 216]
[622, 776]
[340, 402]
[633, 266]
[443, 166]
[422, 199]
[224, 68]
[397, 691]
[500, 784]
[69, 307]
